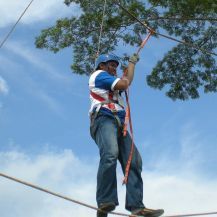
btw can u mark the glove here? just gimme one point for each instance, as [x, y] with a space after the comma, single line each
[134, 58]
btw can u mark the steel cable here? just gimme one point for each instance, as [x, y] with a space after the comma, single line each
[165, 36]
[87, 205]
[12, 29]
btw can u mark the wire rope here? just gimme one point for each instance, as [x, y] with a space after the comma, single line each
[163, 35]
[87, 205]
[14, 26]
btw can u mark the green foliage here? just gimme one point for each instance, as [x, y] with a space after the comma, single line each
[183, 72]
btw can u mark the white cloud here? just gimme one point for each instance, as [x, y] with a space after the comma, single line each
[4, 89]
[67, 174]
[39, 11]
[180, 194]
[60, 172]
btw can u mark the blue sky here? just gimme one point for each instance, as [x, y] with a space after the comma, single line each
[44, 128]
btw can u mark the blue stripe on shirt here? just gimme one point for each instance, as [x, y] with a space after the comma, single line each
[104, 80]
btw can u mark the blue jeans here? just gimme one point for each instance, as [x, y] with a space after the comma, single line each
[114, 146]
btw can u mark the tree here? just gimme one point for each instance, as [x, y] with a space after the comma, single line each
[184, 71]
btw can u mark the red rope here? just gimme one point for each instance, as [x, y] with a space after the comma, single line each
[129, 119]
[144, 41]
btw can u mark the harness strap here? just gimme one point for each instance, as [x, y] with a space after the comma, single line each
[94, 115]
[110, 104]
[101, 99]
[117, 120]
[126, 121]
[97, 97]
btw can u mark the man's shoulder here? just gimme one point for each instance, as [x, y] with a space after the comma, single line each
[100, 74]
[95, 74]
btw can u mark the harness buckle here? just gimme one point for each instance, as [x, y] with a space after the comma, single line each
[114, 111]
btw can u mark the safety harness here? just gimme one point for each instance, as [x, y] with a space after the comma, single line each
[110, 102]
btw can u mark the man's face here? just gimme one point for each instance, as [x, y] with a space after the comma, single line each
[111, 67]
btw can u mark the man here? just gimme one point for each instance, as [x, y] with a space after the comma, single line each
[107, 118]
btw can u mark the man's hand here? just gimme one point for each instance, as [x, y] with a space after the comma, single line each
[134, 58]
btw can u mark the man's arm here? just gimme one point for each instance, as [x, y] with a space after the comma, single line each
[124, 82]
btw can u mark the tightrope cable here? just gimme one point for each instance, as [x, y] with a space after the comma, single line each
[193, 214]
[87, 205]
[165, 36]
[12, 29]
[57, 194]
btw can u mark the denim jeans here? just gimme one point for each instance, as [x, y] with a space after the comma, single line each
[114, 146]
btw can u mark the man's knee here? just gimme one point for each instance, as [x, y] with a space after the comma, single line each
[111, 153]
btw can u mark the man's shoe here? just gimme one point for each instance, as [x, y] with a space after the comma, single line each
[148, 212]
[104, 208]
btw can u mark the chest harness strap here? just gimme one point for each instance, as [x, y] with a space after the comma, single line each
[109, 102]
